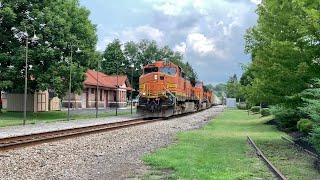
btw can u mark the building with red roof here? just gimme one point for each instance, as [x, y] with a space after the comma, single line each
[112, 90]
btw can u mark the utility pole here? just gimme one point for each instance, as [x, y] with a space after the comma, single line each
[69, 98]
[132, 66]
[97, 100]
[25, 83]
[117, 90]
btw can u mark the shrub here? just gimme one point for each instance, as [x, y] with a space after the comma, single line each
[315, 138]
[265, 112]
[255, 109]
[287, 118]
[305, 125]
[311, 99]
[242, 106]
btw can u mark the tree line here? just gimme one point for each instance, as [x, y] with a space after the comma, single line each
[285, 68]
[120, 57]
[66, 38]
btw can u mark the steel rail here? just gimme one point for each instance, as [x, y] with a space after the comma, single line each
[300, 147]
[275, 171]
[43, 137]
[13, 142]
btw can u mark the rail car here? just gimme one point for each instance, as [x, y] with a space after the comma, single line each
[164, 91]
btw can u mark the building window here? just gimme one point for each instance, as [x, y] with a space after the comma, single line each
[92, 91]
[100, 94]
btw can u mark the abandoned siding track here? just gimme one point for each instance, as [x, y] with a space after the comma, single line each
[37, 138]
[275, 171]
[301, 148]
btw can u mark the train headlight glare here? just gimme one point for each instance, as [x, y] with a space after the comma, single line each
[155, 77]
[144, 93]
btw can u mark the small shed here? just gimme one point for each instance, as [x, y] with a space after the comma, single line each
[4, 100]
[37, 102]
[231, 102]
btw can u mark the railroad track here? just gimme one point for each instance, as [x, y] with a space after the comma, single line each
[274, 170]
[43, 137]
[301, 148]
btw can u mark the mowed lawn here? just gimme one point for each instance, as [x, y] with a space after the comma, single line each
[220, 151]
[16, 118]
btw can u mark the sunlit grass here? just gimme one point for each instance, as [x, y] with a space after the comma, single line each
[220, 151]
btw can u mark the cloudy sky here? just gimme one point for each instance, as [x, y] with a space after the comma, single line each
[208, 32]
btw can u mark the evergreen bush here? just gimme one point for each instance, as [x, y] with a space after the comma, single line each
[265, 112]
[255, 109]
[315, 138]
[305, 125]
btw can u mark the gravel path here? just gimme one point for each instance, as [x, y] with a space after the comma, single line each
[109, 155]
[59, 125]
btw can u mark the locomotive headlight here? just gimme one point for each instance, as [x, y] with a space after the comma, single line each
[155, 77]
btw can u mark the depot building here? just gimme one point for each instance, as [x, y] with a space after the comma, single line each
[112, 92]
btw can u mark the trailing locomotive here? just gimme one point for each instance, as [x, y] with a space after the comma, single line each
[164, 92]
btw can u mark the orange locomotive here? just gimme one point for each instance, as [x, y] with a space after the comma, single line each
[164, 91]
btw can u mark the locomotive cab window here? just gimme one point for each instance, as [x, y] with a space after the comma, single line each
[150, 70]
[168, 70]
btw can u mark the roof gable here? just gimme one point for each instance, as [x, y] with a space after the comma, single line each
[105, 80]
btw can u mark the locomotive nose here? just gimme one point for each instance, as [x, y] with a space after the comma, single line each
[152, 84]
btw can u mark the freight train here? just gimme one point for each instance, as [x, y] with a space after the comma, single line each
[164, 91]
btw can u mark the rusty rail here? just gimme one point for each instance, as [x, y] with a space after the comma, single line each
[275, 171]
[300, 147]
[38, 138]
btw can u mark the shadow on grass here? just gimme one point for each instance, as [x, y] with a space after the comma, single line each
[220, 151]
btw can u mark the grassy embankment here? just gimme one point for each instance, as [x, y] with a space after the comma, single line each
[220, 151]
[16, 118]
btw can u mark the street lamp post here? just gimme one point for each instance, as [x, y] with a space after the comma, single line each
[97, 100]
[25, 84]
[69, 93]
[70, 78]
[117, 93]
[35, 38]
[132, 66]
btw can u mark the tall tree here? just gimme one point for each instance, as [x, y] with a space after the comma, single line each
[145, 52]
[115, 61]
[62, 26]
[131, 51]
[284, 46]
[233, 87]
[219, 89]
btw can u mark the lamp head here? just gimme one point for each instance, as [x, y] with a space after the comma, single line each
[78, 50]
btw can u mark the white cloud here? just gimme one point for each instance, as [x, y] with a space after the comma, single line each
[256, 1]
[171, 7]
[201, 6]
[178, 7]
[102, 44]
[132, 34]
[227, 30]
[182, 48]
[220, 23]
[200, 43]
[142, 32]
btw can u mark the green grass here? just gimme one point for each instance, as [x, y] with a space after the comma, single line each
[220, 151]
[16, 118]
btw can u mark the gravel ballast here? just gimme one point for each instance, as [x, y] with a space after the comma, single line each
[59, 125]
[109, 155]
